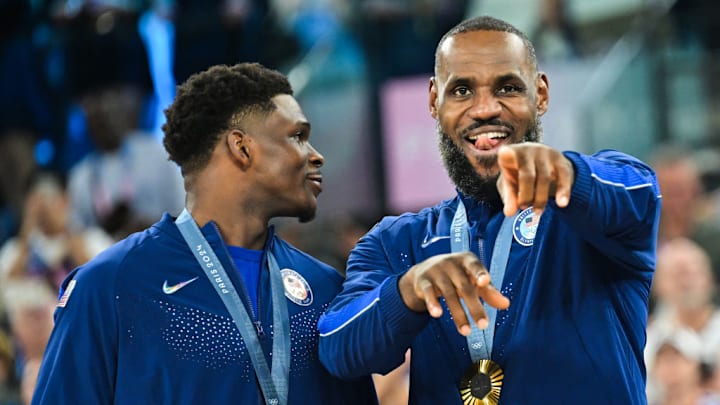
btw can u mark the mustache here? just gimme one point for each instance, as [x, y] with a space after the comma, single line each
[496, 122]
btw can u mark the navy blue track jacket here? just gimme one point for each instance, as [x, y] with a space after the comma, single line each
[142, 324]
[575, 329]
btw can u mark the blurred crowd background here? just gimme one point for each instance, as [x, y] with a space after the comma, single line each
[83, 84]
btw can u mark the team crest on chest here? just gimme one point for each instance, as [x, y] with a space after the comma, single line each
[297, 288]
[525, 227]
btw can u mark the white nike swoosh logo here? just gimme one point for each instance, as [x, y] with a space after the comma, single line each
[172, 289]
[427, 242]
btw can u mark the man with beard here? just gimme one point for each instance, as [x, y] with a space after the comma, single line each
[531, 285]
[210, 307]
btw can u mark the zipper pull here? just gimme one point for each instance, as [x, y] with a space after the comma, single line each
[259, 327]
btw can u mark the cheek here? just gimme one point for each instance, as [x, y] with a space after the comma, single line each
[449, 116]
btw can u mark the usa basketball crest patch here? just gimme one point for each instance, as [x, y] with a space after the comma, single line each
[525, 227]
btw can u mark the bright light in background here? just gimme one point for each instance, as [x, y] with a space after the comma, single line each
[415, 176]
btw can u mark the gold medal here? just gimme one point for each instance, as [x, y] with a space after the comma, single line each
[482, 383]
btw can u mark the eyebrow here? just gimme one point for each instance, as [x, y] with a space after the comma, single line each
[468, 81]
[454, 81]
[304, 124]
[509, 77]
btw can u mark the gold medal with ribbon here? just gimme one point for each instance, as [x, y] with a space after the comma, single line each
[481, 383]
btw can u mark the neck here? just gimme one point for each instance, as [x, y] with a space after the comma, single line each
[240, 222]
[243, 231]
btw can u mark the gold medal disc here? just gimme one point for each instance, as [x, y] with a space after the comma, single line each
[481, 383]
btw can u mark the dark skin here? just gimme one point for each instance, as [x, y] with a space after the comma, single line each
[486, 96]
[263, 169]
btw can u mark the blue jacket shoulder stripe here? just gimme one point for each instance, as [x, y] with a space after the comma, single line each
[335, 321]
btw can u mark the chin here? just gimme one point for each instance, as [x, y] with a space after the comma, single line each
[486, 165]
[307, 215]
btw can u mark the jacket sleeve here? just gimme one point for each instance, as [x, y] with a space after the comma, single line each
[367, 328]
[79, 363]
[615, 205]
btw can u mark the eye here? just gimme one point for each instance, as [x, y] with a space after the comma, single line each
[461, 91]
[510, 89]
[298, 136]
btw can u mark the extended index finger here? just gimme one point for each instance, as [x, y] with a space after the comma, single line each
[485, 289]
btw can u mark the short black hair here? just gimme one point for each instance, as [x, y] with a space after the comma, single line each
[487, 23]
[211, 102]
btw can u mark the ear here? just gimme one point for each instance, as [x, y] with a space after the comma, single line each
[432, 89]
[239, 146]
[543, 93]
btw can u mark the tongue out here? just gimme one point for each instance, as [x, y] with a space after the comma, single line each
[485, 143]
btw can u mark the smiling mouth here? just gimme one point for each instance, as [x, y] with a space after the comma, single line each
[316, 180]
[487, 140]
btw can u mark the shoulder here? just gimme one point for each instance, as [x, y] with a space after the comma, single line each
[609, 156]
[135, 254]
[108, 263]
[308, 281]
[302, 261]
[614, 170]
[411, 222]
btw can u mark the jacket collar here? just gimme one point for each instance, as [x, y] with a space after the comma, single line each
[479, 213]
[210, 231]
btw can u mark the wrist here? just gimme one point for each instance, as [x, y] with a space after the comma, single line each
[407, 293]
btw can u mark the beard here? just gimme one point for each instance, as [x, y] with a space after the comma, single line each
[463, 175]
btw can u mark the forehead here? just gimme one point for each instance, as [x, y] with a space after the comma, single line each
[468, 52]
[288, 107]
[287, 112]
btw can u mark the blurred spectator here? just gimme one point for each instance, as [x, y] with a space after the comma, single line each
[550, 24]
[24, 99]
[694, 22]
[331, 55]
[46, 248]
[102, 43]
[684, 288]
[95, 43]
[8, 386]
[686, 208]
[348, 229]
[399, 38]
[679, 371]
[127, 182]
[29, 379]
[16, 157]
[555, 37]
[227, 32]
[329, 240]
[30, 307]
[698, 30]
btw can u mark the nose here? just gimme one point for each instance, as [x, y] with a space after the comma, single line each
[485, 106]
[316, 158]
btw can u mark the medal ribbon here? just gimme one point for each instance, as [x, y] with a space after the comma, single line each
[480, 342]
[274, 385]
